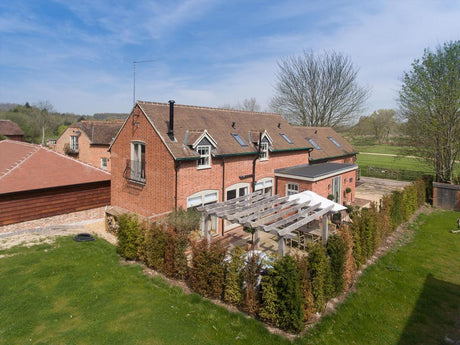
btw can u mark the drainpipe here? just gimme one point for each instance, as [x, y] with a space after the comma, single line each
[223, 192]
[176, 169]
[254, 164]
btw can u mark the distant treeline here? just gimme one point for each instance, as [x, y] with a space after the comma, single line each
[33, 118]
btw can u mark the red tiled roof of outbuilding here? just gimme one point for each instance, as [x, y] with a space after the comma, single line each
[8, 127]
[28, 167]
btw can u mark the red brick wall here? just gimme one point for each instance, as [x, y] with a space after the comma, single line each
[86, 153]
[322, 187]
[157, 195]
[191, 180]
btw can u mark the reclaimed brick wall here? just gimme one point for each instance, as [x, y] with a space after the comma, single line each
[322, 187]
[156, 196]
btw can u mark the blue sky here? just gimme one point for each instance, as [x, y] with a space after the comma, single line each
[78, 55]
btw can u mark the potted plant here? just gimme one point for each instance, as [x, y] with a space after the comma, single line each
[250, 230]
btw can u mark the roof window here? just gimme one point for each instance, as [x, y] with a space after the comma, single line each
[315, 145]
[334, 141]
[285, 137]
[239, 139]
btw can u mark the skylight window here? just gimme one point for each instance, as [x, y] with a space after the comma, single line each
[285, 137]
[239, 139]
[334, 141]
[315, 145]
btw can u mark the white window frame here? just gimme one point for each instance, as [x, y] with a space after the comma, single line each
[137, 174]
[238, 187]
[74, 143]
[292, 188]
[263, 156]
[263, 184]
[204, 161]
[104, 163]
[205, 197]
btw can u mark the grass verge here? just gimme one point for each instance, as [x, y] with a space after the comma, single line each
[410, 296]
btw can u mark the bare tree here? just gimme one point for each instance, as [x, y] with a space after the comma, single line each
[248, 104]
[430, 102]
[318, 90]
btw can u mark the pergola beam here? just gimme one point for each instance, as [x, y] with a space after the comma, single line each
[277, 215]
[274, 226]
[304, 221]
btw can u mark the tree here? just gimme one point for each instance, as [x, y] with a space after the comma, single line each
[430, 102]
[248, 104]
[318, 90]
[383, 121]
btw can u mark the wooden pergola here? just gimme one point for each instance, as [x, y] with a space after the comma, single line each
[280, 216]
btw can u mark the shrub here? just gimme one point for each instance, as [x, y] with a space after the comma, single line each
[349, 265]
[233, 288]
[289, 296]
[318, 267]
[153, 247]
[251, 275]
[129, 234]
[184, 220]
[308, 303]
[175, 258]
[207, 269]
[336, 250]
[269, 308]
[396, 209]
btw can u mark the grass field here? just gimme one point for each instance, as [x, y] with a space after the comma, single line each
[78, 293]
[389, 149]
[389, 162]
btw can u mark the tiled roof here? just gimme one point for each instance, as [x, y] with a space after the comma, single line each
[27, 167]
[316, 171]
[99, 132]
[8, 127]
[328, 149]
[220, 124]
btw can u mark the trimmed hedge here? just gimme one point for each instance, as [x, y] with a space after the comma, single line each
[290, 291]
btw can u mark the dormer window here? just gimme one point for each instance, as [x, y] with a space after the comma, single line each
[263, 155]
[205, 156]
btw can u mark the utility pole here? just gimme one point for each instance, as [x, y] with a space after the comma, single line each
[134, 78]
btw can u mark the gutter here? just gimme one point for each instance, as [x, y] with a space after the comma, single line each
[319, 160]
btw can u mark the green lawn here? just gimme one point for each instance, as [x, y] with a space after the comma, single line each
[411, 296]
[78, 293]
[389, 149]
[389, 162]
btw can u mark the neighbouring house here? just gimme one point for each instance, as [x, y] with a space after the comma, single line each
[89, 141]
[168, 156]
[36, 182]
[11, 130]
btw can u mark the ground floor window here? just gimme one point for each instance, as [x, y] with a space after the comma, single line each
[202, 198]
[265, 185]
[292, 188]
[233, 192]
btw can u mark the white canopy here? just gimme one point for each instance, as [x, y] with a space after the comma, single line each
[315, 199]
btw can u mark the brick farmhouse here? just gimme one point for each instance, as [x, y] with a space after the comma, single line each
[89, 141]
[168, 156]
